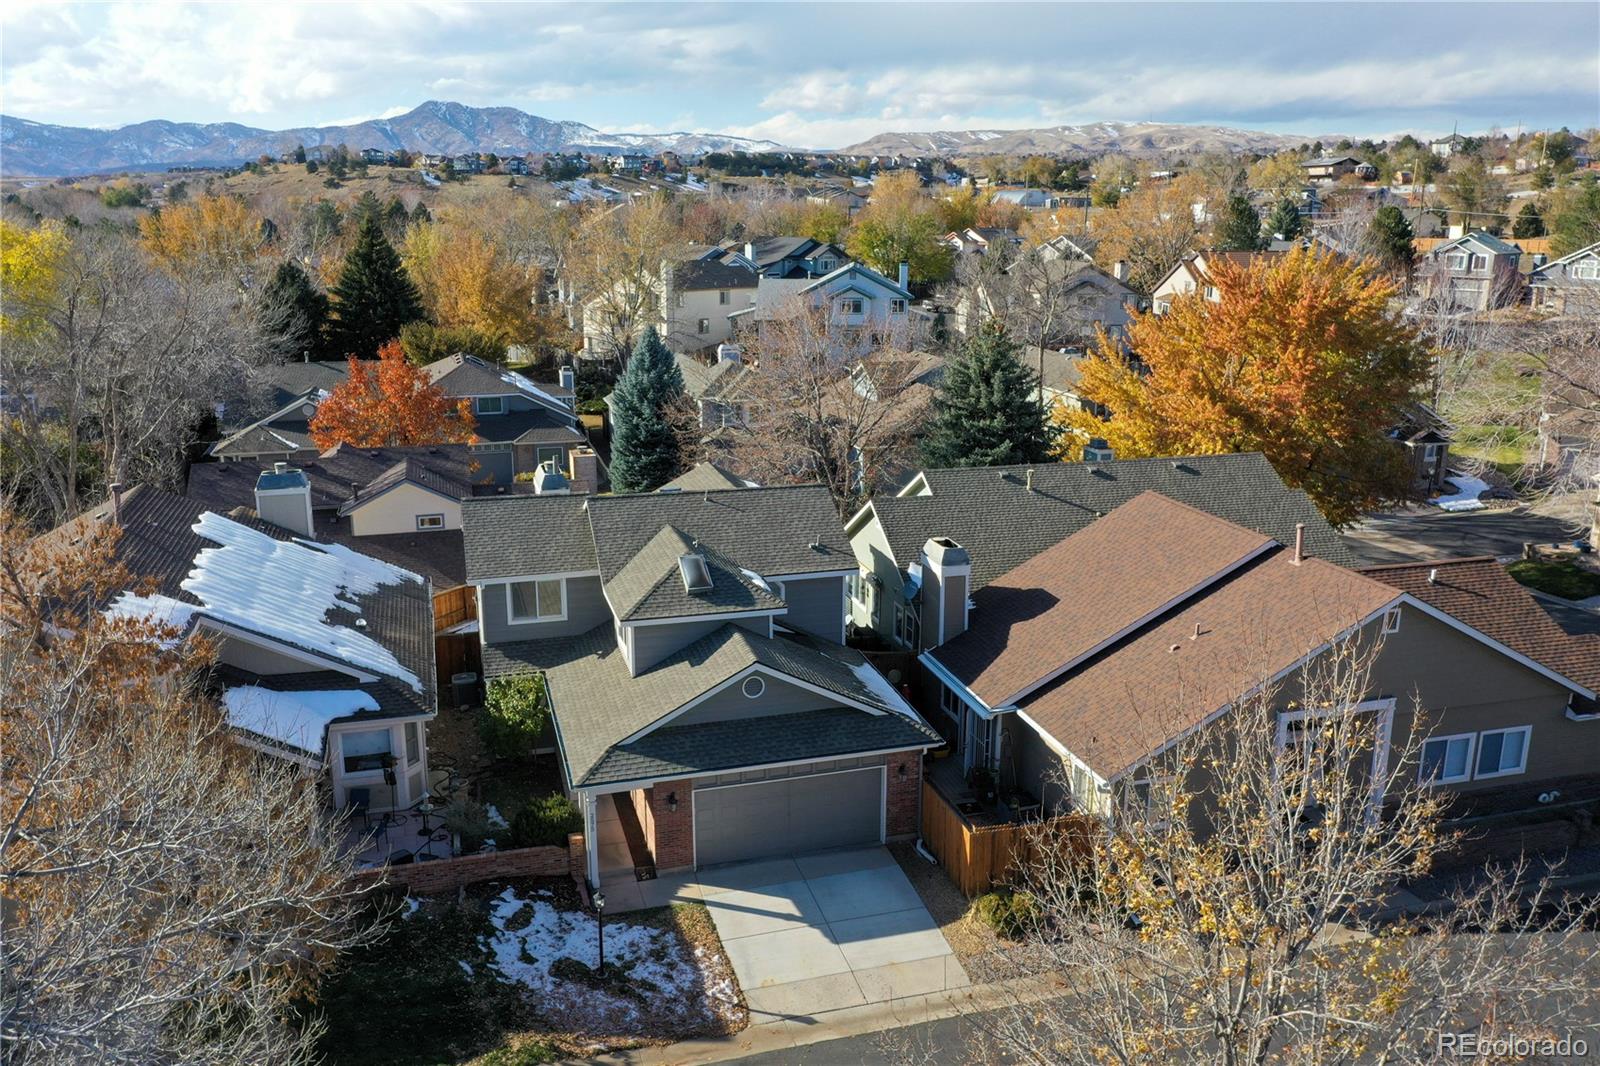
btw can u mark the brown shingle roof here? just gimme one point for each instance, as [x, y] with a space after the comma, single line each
[1148, 689]
[1479, 592]
[1142, 558]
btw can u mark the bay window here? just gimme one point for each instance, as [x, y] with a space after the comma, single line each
[364, 749]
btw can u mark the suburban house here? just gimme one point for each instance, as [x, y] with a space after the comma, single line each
[1445, 147]
[1426, 438]
[282, 436]
[325, 655]
[274, 386]
[698, 295]
[857, 299]
[1568, 285]
[1193, 275]
[1332, 168]
[976, 240]
[1068, 677]
[1058, 301]
[1003, 516]
[705, 707]
[788, 258]
[521, 426]
[1474, 272]
[1033, 199]
[719, 389]
[707, 476]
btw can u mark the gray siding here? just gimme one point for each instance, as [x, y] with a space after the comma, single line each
[816, 606]
[780, 697]
[653, 643]
[495, 466]
[586, 608]
[1029, 763]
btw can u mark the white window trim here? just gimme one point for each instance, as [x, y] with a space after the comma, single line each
[1472, 754]
[760, 687]
[1391, 620]
[515, 619]
[479, 401]
[424, 523]
[1521, 768]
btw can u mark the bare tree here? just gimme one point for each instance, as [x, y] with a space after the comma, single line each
[127, 360]
[827, 403]
[168, 894]
[1232, 912]
[615, 273]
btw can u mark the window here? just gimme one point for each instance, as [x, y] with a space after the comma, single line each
[492, 447]
[413, 742]
[1480, 262]
[489, 405]
[1456, 261]
[753, 687]
[1430, 454]
[1588, 270]
[723, 296]
[1446, 760]
[1502, 752]
[905, 626]
[859, 587]
[950, 703]
[1391, 620]
[897, 307]
[852, 305]
[430, 521]
[550, 455]
[826, 265]
[541, 600]
[1211, 292]
[703, 326]
[364, 749]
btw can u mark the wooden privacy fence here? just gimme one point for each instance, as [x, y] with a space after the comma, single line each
[453, 606]
[979, 858]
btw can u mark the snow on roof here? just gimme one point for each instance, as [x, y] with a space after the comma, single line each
[299, 719]
[283, 590]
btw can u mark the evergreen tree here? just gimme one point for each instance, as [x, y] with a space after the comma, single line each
[367, 206]
[299, 153]
[395, 217]
[987, 412]
[373, 297]
[420, 213]
[1285, 220]
[294, 313]
[1239, 229]
[1390, 237]
[1529, 222]
[644, 449]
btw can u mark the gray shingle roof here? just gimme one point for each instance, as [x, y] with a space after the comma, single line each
[651, 584]
[702, 381]
[768, 530]
[334, 475]
[415, 471]
[712, 274]
[597, 705]
[990, 511]
[539, 426]
[467, 375]
[704, 476]
[515, 536]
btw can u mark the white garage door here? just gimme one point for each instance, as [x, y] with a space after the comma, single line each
[788, 817]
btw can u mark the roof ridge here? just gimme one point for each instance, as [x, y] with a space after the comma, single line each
[1428, 563]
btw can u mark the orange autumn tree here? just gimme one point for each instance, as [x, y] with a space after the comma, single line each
[1301, 359]
[387, 402]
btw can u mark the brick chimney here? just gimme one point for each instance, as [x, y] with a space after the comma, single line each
[584, 468]
[946, 584]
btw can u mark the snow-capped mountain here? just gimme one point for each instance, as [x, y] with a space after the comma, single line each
[1128, 138]
[38, 148]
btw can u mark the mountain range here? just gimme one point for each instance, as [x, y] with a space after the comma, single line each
[37, 148]
[1098, 138]
[40, 149]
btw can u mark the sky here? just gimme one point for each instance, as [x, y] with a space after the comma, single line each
[810, 74]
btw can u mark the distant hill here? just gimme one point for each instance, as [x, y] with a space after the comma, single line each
[1126, 138]
[36, 148]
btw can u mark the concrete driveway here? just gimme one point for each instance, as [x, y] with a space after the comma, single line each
[826, 932]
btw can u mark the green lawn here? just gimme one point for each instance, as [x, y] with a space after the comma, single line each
[1566, 580]
[1503, 447]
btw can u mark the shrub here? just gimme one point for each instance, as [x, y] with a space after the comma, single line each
[470, 820]
[1009, 913]
[515, 715]
[1561, 579]
[426, 343]
[545, 822]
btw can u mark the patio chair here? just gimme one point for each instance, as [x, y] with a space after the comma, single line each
[401, 858]
[358, 801]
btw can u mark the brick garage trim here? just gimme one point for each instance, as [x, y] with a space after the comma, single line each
[447, 875]
[671, 831]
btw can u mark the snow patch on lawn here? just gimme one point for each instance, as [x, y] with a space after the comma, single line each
[1465, 498]
[665, 978]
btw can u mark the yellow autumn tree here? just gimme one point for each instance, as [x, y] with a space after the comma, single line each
[212, 233]
[1301, 359]
[467, 281]
[30, 269]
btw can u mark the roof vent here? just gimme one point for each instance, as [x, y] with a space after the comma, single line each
[361, 623]
[696, 575]
[1433, 576]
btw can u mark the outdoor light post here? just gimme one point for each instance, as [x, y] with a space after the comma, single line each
[600, 928]
[426, 807]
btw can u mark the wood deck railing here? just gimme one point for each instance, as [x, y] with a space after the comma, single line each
[979, 858]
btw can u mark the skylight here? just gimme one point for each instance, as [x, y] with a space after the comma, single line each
[696, 575]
